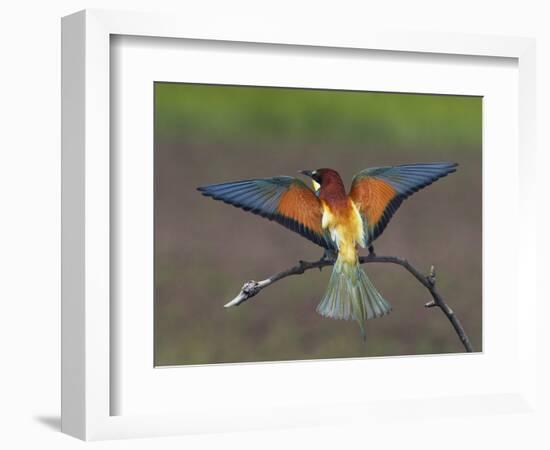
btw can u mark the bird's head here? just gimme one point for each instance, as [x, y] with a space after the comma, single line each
[321, 176]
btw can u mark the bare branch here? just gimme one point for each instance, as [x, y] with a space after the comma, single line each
[252, 288]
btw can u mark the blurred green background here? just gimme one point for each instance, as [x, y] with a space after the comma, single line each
[205, 250]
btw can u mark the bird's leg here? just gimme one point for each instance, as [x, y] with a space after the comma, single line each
[371, 250]
[328, 255]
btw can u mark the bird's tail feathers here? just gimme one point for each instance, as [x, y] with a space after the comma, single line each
[351, 295]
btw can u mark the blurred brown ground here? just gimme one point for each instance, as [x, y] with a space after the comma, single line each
[205, 250]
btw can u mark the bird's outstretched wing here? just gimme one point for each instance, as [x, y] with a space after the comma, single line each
[379, 191]
[286, 200]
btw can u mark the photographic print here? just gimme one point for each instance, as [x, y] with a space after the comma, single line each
[296, 224]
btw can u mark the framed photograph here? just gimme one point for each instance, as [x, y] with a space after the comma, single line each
[389, 168]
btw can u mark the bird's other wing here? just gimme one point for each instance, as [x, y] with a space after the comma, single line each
[285, 200]
[379, 191]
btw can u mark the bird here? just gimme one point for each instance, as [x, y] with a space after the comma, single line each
[338, 221]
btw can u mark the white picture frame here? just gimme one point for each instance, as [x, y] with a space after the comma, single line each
[87, 330]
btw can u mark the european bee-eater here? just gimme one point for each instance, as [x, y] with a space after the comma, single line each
[337, 221]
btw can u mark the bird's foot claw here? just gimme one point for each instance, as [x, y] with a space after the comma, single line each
[328, 255]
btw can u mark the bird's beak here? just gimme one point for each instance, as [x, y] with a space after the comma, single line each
[308, 173]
